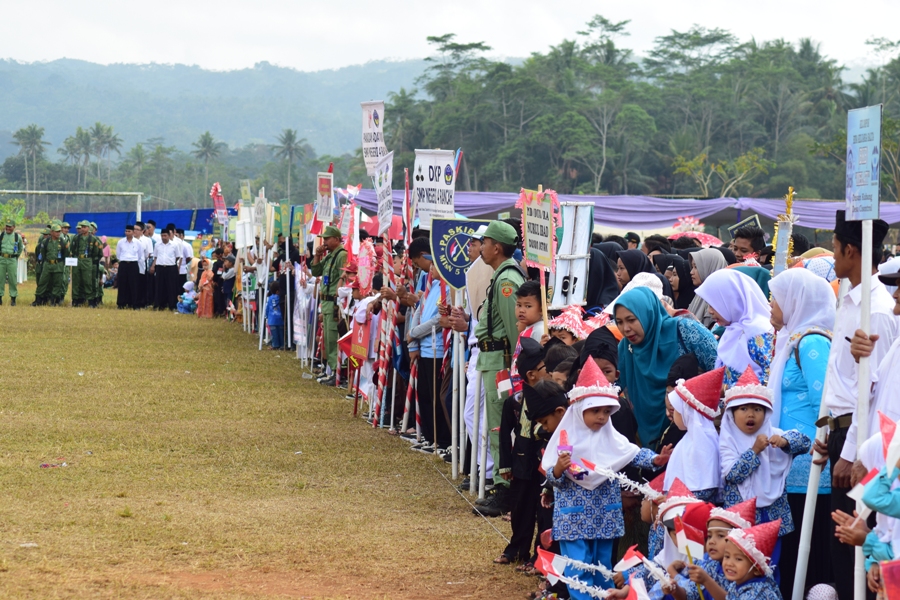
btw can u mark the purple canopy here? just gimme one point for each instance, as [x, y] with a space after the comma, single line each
[643, 212]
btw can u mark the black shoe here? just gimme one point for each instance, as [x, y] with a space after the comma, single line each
[12, 301]
[494, 505]
[328, 381]
[495, 491]
[448, 457]
[464, 486]
[1, 300]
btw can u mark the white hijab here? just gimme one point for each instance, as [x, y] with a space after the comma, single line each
[605, 448]
[808, 303]
[700, 445]
[739, 300]
[767, 483]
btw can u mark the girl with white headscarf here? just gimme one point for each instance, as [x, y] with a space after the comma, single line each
[803, 312]
[739, 305]
[703, 264]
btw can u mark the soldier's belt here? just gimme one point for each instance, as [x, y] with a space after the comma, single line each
[834, 423]
[4, 255]
[52, 262]
[492, 345]
[329, 298]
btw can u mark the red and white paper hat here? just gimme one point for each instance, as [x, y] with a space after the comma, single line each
[592, 383]
[741, 515]
[702, 392]
[570, 319]
[748, 390]
[679, 495]
[656, 484]
[757, 543]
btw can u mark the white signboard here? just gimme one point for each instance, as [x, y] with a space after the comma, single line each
[373, 134]
[863, 162]
[71, 261]
[539, 229]
[384, 171]
[325, 197]
[434, 182]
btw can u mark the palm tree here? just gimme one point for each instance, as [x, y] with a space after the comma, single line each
[85, 145]
[137, 158]
[113, 144]
[31, 143]
[290, 149]
[206, 148]
[21, 140]
[69, 151]
[100, 135]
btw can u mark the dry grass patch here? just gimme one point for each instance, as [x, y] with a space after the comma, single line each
[183, 477]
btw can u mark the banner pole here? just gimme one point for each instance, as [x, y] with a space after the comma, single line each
[454, 410]
[483, 441]
[476, 440]
[864, 385]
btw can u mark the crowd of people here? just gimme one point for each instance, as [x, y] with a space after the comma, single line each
[684, 395]
[682, 401]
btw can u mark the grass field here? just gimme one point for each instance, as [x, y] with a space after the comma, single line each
[198, 467]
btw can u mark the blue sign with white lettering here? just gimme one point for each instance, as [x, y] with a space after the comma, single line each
[863, 162]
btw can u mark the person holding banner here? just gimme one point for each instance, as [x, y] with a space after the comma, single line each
[841, 379]
[497, 334]
[328, 267]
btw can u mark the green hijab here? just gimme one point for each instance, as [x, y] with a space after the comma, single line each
[644, 367]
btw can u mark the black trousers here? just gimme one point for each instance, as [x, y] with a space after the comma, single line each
[150, 282]
[842, 555]
[166, 287]
[127, 281]
[429, 390]
[819, 568]
[525, 497]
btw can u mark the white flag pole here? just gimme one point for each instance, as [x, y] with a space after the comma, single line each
[864, 383]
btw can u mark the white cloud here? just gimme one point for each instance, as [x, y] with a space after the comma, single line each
[313, 35]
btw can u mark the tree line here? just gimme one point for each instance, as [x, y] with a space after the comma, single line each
[701, 115]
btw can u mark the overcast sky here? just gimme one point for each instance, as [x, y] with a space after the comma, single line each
[313, 34]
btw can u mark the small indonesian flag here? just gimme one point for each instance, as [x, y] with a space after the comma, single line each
[689, 539]
[637, 589]
[551, 565]
[504, 384]
[890, 443]
[631, 559]
[857, 493]
[547, 538]
[344, 343]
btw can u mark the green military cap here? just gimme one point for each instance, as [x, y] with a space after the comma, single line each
[501, 232]
[65, 224]
[45, 231]
[10, 223]
[83, 223]
[56, 222]
[55, 228]
[331, 231]
[92, 224]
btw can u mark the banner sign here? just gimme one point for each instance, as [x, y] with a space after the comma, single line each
[283, 218]
[433, 185]
[245, 190]
[359, 341]
[373, 134]
[863, 162]
[384, 172]
[346, 220]
[219, 203]
[450, 248]
[324, 197]
[539, 220]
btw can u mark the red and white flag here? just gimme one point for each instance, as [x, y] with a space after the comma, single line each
[689, 539]
[631, 559]
[504, 384]
[637, 590]
[551, 565]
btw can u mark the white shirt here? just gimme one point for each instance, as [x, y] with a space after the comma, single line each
[843, 372]
[148, 252]
[188, 256]
[167, 254]
[132, 251]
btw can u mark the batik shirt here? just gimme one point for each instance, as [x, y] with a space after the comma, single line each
[761, 350]
[583, 514]
[714, 569]
[694, 338]
[745, 467]
[758, 588]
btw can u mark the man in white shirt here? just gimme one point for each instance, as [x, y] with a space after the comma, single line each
[148, 281]
[130, 253]
[187, 257]
[842, 379]
[165, 267]
[179, 250]
[150, 232]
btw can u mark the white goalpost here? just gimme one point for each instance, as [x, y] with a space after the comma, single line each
[138, 196]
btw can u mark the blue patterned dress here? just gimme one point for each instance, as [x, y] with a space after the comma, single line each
[758, 588]
[761, 349]
[694, 338]
[745, 467]
[583, 514]
[712, 567]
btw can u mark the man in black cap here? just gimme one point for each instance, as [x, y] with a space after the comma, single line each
[842, 377]
[130, 253]
[633, 239]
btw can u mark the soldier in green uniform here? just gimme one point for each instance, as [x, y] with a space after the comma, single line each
[329, 267]
[497, 335]
[83, 247]
[38, 248]
[96, 296]
[63, 288]
[10, 248]
[53, 260]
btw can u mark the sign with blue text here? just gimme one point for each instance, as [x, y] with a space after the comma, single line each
[863, 162]
[450, 248]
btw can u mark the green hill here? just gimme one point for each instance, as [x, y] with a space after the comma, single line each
[178, 102]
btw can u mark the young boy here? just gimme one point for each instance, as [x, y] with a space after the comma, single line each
[746, 562]
[569, 327]
[274, 318]
[530, 324]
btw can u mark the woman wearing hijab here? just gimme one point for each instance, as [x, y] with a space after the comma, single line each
[803, 312]
[653, 341]
[630, 263]
[679, 276]
[602, 287]
[738, 305]
[760, 275]
[726, 252]
[703, 264]
[610, 250]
